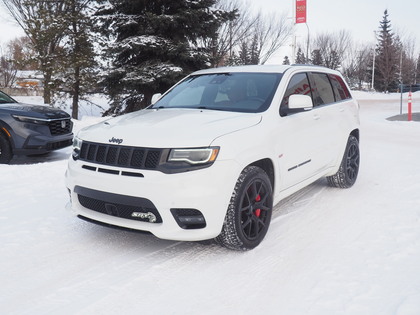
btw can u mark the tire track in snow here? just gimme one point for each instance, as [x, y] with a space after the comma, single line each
[299, 200]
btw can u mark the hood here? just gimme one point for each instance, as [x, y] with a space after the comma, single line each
[35, 111]
[166, 128]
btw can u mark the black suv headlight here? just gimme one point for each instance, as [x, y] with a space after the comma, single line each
[38, 121]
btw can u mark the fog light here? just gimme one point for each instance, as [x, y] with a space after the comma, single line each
[189, 218]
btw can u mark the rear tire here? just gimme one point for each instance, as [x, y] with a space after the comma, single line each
[349, 167]
[5, 150]
[249, 213]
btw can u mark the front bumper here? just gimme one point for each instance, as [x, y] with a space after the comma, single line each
[207, 190]
[40, 144]
[30, 138]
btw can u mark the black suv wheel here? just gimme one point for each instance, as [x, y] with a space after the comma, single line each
[349, 168]
[5, 150]
[249, 212]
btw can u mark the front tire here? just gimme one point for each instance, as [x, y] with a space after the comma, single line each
[349, 167]
[5, 150]
[249, 213]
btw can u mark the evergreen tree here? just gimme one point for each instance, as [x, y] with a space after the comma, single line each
[155, 43]
[333, 60]
[286, 60]
[79, 74]
[300, 57]
[316, 57]
[244, 55]
[387, 58]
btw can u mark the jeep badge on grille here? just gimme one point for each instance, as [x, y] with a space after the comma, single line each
[116, 140]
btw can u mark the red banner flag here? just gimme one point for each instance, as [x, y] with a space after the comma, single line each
[300, 11]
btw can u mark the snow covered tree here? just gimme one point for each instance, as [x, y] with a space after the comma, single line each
[300, 57]
[153, 44]
[316, 57]
[43, 22]
[78, 74]
[286, 60]
[387, 58]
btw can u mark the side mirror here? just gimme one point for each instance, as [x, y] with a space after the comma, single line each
[299, 101]
[156, 97]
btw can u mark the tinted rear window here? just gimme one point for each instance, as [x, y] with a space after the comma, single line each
[340, 89]
[321, 89]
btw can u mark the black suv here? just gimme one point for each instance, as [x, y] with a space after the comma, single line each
[31, 129]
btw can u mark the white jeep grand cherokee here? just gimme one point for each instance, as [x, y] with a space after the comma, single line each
[215, 152]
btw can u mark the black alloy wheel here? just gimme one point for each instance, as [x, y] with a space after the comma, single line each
[249, 212]
[352, 161]
[254, 209]
[349, 167]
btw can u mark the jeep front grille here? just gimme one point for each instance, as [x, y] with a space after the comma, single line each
[121, 156]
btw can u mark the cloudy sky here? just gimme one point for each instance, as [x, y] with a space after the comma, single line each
[360, 17]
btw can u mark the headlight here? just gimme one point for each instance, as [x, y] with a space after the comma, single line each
[77, 145]
[194, 156]
[38, 121]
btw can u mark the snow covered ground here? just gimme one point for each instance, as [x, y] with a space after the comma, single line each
[328, 251]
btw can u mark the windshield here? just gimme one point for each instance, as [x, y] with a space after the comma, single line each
[4, 99]
[238, 92]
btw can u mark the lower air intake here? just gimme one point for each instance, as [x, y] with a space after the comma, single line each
[126, 207]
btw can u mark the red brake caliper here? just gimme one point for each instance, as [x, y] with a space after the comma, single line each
[258, 211]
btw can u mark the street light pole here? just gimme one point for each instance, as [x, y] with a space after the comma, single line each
[373, 68]
[373, 64]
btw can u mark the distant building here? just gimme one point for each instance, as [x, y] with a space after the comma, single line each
[29, 79]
